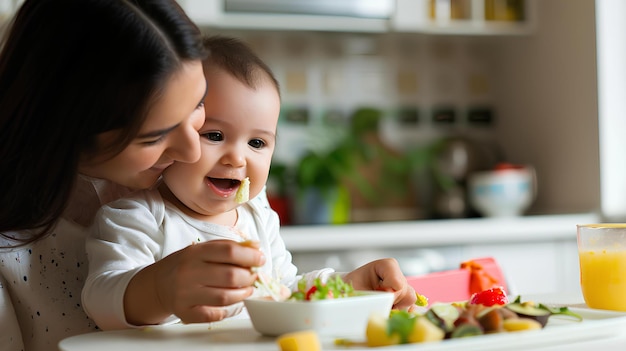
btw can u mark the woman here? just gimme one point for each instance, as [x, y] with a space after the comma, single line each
[110, 90]
[97, 97]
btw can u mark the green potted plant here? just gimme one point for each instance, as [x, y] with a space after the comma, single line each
[321, 198]
[328, 181]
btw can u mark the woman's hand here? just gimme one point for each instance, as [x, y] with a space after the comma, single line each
[385, 275]
[193, 283]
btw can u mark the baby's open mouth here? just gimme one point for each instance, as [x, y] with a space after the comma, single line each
[224, 184]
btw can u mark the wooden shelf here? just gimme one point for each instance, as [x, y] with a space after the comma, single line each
[408, 16]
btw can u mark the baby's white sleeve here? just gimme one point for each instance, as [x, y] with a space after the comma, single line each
[124, 239]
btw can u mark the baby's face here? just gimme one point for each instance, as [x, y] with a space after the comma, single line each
[237, 141]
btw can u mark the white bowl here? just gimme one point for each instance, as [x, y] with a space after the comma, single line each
[338, 318]
[502, 193]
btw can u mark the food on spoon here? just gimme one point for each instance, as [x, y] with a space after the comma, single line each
[299, 341]
[243, 192]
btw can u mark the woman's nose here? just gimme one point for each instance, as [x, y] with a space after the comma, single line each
[185, 145]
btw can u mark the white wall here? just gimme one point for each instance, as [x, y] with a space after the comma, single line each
[611, 48]
[547, 102]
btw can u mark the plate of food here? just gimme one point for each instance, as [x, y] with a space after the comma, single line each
[488, 321]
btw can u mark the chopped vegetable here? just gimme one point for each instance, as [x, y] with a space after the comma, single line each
[487, 312]
[401, 323]
[377, 332]
[563, 311]
[332, 289]
[401, 327]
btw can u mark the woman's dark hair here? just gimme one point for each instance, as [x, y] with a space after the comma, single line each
[69, 70]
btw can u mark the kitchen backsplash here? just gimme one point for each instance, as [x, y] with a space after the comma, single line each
[324, 77]
[426, 88]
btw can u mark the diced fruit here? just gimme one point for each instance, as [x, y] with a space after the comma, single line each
[506, 313]
[486, 312]
[520, 324]
[467, 324]
[434, 318]
[425, 330]
[377, 334]
[490, 297]
[529, 310]
[443, 315]
[299, 341]
[491, 320]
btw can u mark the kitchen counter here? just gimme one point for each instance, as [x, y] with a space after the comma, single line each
[434, 232]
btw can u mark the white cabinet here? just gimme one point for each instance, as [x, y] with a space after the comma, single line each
[404, 16]
[464, 17]
[213, 14]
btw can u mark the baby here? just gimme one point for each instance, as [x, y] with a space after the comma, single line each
[202, 201]
[135, 274]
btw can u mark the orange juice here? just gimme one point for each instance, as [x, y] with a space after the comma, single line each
[603, 278]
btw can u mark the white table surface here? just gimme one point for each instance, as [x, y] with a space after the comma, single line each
[239, 335]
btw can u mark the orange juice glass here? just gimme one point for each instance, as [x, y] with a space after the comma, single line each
[602, 257]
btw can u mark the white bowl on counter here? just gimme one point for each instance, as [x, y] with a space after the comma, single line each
[339, 318]
[506, 192]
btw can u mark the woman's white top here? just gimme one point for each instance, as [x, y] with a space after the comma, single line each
[41, 283]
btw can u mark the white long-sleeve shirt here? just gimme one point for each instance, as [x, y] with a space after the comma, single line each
[134, 232]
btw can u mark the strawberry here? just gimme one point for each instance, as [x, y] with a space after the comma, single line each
[490, 297]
